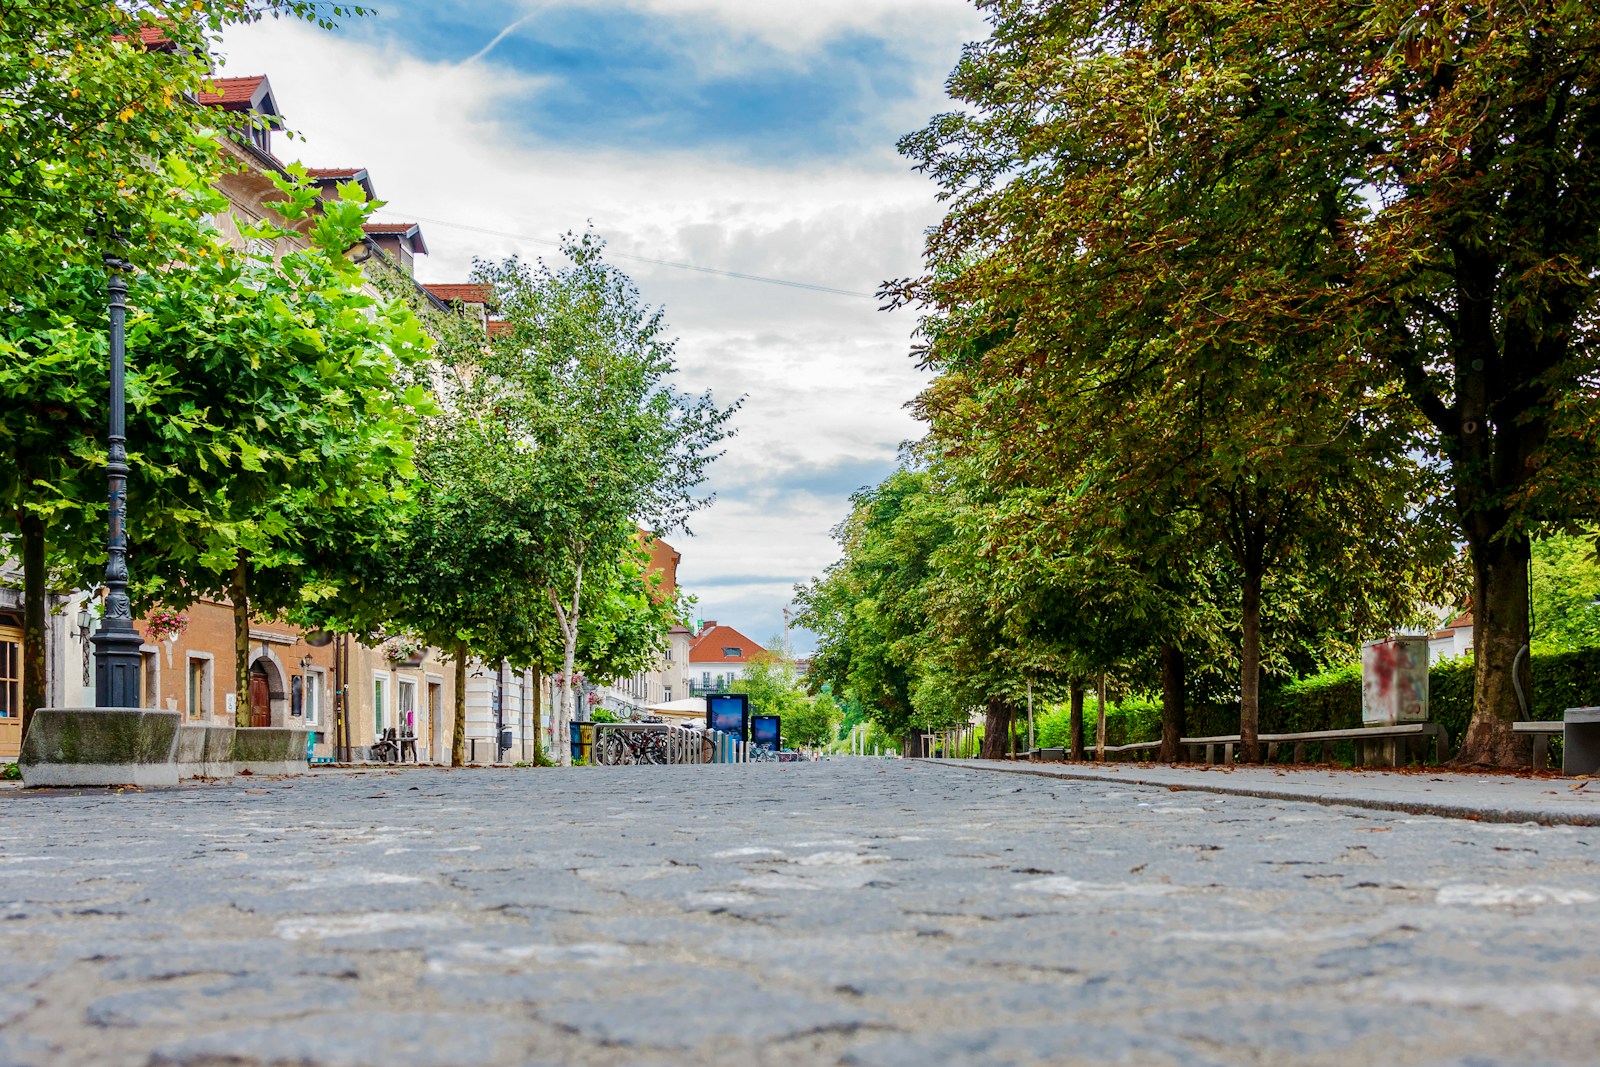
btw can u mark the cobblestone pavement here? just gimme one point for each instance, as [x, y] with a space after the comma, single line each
[853, 912]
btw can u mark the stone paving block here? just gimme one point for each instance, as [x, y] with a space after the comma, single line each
[856, 911]
[703, 1017]
[377, 1039]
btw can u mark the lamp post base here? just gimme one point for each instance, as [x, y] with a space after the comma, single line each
[118, 667]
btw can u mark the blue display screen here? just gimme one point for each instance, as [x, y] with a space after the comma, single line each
[765, 731]
[727, 713]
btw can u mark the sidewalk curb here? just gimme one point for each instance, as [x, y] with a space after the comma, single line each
[1441, 810]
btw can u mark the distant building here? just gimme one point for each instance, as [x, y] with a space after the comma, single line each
[720, 656]
[1454, 639]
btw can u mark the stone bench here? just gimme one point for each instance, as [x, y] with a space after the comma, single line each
[1116, 750]
[1580, 740]
[1392, 744]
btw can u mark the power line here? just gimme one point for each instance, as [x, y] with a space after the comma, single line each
[715, 271]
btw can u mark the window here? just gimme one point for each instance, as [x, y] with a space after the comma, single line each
[199, 687]
[705, 679]
[668, 698]
[733, 651]
[150, 671]
[408, 706]
[10, 673]
[313, 698]
[380, 705]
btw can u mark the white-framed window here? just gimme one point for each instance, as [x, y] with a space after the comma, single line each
[313, 698]
[197, 685]
[667, 699]
[408, 705]
[380, 704]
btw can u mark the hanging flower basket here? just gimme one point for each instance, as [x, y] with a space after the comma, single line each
[402, 651]
[164, 625]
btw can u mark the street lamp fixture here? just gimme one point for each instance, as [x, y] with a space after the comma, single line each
[116, 646]
[85, 628]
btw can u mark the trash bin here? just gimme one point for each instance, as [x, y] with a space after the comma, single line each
[582, 741]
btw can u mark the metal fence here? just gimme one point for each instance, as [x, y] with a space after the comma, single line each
[623, 744]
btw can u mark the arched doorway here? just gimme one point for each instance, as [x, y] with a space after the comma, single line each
[260, 695]
[268, 698]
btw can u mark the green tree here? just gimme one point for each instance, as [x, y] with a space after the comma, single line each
[1566, 593]
[868, 609]
[102, 152]
[775, 688]
[583, 376]
[1359, 182]
[299, 398]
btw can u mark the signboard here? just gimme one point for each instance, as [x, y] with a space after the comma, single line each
[730, 713]
[766, 732]
[1394, 681]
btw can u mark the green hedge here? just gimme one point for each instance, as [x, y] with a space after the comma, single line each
[1131, 719]
[1332, 700]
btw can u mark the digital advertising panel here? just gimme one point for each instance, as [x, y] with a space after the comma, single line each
[730, 713]
[766, 731]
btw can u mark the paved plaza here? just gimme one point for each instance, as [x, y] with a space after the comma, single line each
[858, 912]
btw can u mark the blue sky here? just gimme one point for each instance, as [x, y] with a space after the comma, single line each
[742, 135]
[618, 75]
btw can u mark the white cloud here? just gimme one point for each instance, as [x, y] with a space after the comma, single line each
[825, 377]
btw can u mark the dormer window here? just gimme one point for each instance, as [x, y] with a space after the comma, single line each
[732, 651]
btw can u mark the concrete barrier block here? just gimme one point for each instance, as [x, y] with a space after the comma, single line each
[269, 750]
[100, 746]
[205, 750]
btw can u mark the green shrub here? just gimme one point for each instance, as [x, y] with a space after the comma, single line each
[1332, 700]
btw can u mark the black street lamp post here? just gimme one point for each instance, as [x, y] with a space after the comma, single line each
[117, 661]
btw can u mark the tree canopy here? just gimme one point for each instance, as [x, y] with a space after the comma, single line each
[1266, 288]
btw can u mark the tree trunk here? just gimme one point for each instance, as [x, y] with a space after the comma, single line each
[568, 618]
[1075, 722]
[1499, 631]
[1172, 668]
[569, 664]
[34, 611]
[1250, 669]
[239, 593]
[538, 712]
[996, 729]
[458, 738]
[1100, 722]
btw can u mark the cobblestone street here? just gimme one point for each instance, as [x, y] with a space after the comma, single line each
[880, 914]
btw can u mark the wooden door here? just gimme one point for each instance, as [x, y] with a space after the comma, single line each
[260, 699]
[10, 691]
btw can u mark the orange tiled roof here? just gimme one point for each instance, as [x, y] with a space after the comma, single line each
[335, 173]
[498, 327]
[716, 642]
[466, 292]
[154, 38]
[233, 94]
